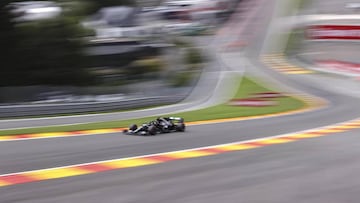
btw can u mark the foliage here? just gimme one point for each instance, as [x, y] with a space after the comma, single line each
[44, 51]
[8, 38]
[193, 56]
[141, 68]
[192, 63]
[182, 79]
[95, 5]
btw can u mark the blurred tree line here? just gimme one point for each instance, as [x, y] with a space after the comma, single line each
[95, 5]
[47, 52]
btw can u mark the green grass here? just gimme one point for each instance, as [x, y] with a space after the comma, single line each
[246, 89]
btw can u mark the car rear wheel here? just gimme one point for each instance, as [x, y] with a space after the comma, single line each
[152, 130]
[180, 127]
[133, 127]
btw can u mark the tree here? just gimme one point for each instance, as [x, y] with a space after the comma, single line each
[47, 52]
[51, 53]
[97, 4]
[8, 40]
[42, 52]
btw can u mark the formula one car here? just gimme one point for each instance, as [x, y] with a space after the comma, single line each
[160, 125]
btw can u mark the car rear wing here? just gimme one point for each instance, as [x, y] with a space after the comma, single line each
[178, 119]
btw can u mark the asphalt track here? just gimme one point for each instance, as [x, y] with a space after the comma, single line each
[321, 169]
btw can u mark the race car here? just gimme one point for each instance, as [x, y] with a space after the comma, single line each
[160, 125]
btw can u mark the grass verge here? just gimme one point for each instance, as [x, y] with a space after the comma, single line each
[296, 35]
[247, 88]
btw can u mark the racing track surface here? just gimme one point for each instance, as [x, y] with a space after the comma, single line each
[322, 169]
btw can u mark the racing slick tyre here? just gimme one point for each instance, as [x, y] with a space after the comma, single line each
[152, 130]
[133, 127]
[180, 127]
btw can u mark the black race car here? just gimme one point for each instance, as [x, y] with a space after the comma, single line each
[160, 125]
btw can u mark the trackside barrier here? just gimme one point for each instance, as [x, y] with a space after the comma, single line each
[84, 107]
